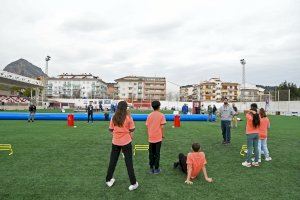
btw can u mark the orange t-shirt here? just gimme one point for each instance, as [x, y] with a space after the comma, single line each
[250, 129]
[121, 135]
[263, 128]
[154, 122]
[196, 160]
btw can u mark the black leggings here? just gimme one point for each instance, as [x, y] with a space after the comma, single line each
[114, 156]
[154, 155]
[182, 162]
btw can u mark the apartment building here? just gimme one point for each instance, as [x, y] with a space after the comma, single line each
[112, 91]
[189, 93]
[76, 86]
[133, 88]
[214, 90]
[251, 92]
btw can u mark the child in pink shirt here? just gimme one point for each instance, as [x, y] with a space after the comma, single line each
[263, 135]
[155, 124]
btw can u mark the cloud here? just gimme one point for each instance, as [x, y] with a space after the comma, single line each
[84, 25]
[185, 41]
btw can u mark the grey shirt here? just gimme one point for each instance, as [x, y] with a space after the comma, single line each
[226, 112]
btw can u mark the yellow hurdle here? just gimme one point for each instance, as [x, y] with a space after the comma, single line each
[243, 150]
[140, 147]
[6, 147]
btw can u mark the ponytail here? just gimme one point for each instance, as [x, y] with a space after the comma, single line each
[256, 119]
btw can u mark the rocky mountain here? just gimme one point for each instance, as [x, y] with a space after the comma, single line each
[24, 68]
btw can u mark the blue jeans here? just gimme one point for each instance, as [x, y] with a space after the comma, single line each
[252, 141]
[262, 146]
[210, 117]
[31, 116]
[225, 126]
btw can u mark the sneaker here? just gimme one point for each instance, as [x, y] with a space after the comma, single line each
[253, 159]
[175, 165]
[224, 142]
[246, 164]
[134, 187]
[255, 164]
[151, 171]
[268, 159]
[111, 182]
[157, 171]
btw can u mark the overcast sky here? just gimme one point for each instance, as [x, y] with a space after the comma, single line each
[186, 41]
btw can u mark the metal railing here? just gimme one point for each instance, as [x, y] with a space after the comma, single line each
[23, 79]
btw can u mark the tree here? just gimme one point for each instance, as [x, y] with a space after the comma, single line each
[294, 91]
[27, 92]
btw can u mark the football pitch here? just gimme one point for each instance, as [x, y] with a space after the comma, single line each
[53, 161]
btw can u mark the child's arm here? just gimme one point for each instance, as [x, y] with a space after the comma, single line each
[131, 132]
[205, 175]
[162, 131]
[189, 174]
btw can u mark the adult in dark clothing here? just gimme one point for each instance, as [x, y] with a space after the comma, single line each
[214, 110]
[210, 113]
[100, 106]
[32, 111]
[234, 118]
[185, 109]
[90, 110]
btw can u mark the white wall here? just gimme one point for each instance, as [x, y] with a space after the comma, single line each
[282, 106]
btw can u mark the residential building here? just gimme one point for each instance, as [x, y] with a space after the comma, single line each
[76, 86]
[137, 88]
[214, 90]
[251, 93]
[189, 92]
[112, 91]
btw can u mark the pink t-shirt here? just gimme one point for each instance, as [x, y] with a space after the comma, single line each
[154, 122]
[250, 129]
[121, 135]
[196, 160]
[263, 128]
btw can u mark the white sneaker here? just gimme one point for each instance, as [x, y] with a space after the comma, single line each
[255, 164]
[268, 159]
[111, 182]
[134, 187]
[253, 159]
[246, 164]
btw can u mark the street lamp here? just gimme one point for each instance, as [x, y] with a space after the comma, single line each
[243, 62]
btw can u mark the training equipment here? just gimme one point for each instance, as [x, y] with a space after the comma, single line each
[140, 147]
[6, 147]
[98, 117]
[70, 120]
[243, 150]
[177, 121]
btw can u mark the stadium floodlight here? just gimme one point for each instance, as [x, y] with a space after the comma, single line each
[243, 62]
[47, 59]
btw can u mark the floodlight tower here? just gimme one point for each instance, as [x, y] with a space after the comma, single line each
[243, 62]
[47, 59]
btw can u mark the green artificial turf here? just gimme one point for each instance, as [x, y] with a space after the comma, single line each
[53, 161]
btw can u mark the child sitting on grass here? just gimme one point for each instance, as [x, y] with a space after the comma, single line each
[193, 163]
